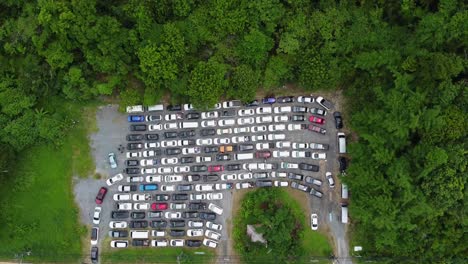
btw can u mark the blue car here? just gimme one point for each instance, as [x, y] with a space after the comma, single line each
[148, 187]
[269, 100]
[136, 118]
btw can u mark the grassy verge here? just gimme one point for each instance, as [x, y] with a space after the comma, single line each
[158, 255]
[38, 212]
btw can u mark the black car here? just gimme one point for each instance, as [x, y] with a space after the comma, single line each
[155, 214]
[285, 99]
[134, 137]
[138, 215]
[94, 233]
[177, 223]
[184, 187]
[233, 167]
[180, 197]
[264, 183]
[94, 254]
[132, 146]
[190, 214]
[246, 147]
[211, 149]
[295, 176]
[308, 167]
[138, 127]
[223, 157]
[208, 132]
[177, 233]
[138, 224]
[187, 133]
[228, 113]
[132, 163]
[191, 116]
[198, 168]
[197, 206]
[119, 214]
[343, 164]
[161, 197]
[174, 108]
[170, 134]
[193, 243]
[299, 109]
[298, 118]
[118, 233]
[338, 120]
[207, 216]
[252, 104]
[210, 177]
[172, 151]
[153, 118]
[188, 142]
[132, 170]
[159, 224]
[152, 136]
[192, 178]
[185, 160]
[140, 242]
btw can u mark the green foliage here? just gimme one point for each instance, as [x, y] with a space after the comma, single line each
[206, 84]
[277, 72]
[244, 83]
[254, 48]
[129, 97]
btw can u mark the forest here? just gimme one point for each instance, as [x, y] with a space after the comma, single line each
[400, 64]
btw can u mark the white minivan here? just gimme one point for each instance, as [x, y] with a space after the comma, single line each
[341, 142]
[188, 125]
[158, 107]
[139, 234]
[244, 156]
[135, 109]
[344, 213]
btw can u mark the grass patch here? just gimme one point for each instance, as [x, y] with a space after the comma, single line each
[157, 255]
[38, 212]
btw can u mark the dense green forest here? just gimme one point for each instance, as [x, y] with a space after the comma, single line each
[401, 64]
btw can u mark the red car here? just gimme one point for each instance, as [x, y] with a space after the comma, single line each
[263, 154]
[101, 194]
[317, 120]
[215, 168]
[159, 206]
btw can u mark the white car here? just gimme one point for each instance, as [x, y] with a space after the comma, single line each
[152, 145]
[294, 127]
[263, 119]
[261, 146]
[238, 130]
[173, 178]
[222, 131]
[193, 150]
[173, 117]
[117, 224]
[97, 215]
[149, 153]
[141, 206]
[154, 127]
[196, 224]
[243, 185]
[276, 137]
[119, 243]
[281, 154]
[159, 243]
[178, 206]
[331, 181]
[265, 166]
[324, 103]
[240, 139]
[168, 126]
[213, 226]
[147, 162]
[244, 176]
[226, 122]
[204, 141]
[124, 206]
[168, 188]
[164, 170]
[214, 196]
[209, 115]
[194, 232]
[281, 183]
[282, 109]
[246, 112]
[250, 166]
[287, 165]
[182, 169]
[300, 154]
[218, 141]
[264, 110]
[245, 121]
[204, 187]
[320, 156]
[209, 123]
[197, 196]
[258, 129]
[121, 197]
[112, 161]
[135, 179]
[276, 174]
[114, 179]
[305, 99]
[169, 143]
[199, 159]
[232, 104]
[158, 233]
[283, 144]
[133, 155]
[210, 243]
[259, 138]
[296, 145]
[141, 197]
[314, 221]
[212, 234]
[277, 127]
[177, 242]
[279, 119]
[173, 215]
[148, 170]
[165, 161]
[222, 186]
[188, 107]
[153, 178]
[228, 177]
[184, 142]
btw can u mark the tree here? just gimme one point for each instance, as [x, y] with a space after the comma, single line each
[244, 83]
[254, 47]
[206, 84]
[277, 72]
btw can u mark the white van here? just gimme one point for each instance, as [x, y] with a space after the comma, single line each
[344, 213]
[158, 107]
[139, 234]
[344, 191]
[135, 109]
[244, 156]
[188, 125]
[341, 142]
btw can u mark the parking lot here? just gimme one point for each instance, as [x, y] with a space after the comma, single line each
[176, 187]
